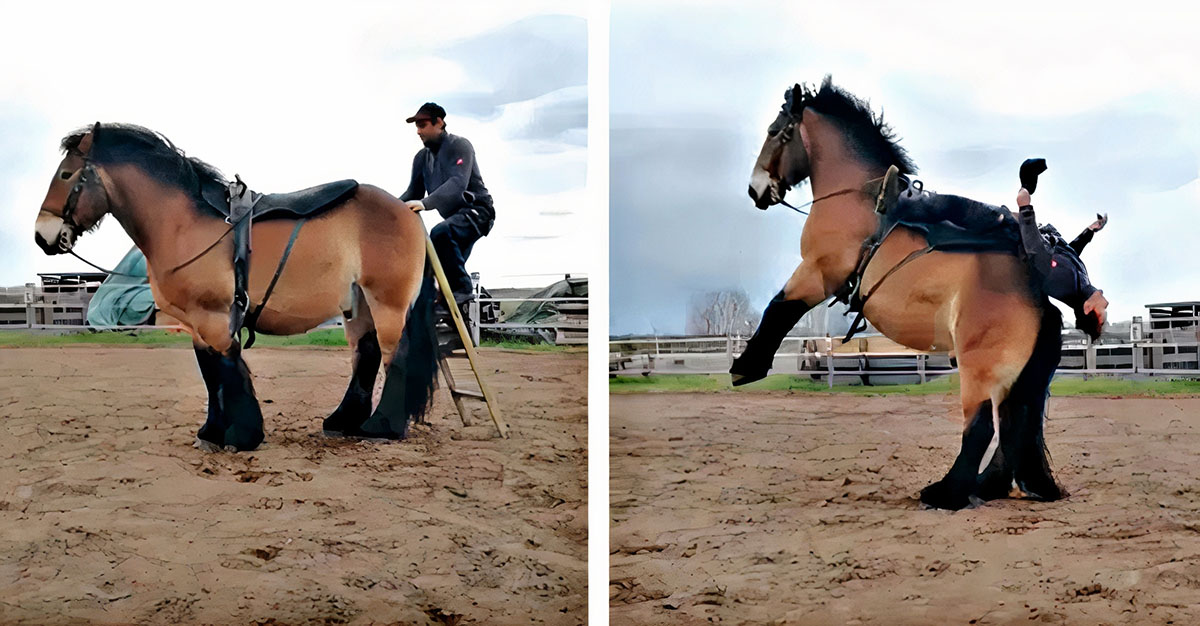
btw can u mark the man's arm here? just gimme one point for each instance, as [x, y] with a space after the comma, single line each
[447, 199]
[416, 185]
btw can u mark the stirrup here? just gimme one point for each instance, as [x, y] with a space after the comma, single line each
[889, 191]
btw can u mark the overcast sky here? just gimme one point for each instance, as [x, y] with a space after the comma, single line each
[1110, 99]
[290, 96]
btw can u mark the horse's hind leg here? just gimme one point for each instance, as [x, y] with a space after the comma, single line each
[1025, 406]
[1031, 468]
[978, 445]
[389, 421]
[997, 479]
[409, 345]
[364, 345]
[985, 381]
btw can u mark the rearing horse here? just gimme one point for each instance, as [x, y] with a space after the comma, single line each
[980, 306]
[364, 258]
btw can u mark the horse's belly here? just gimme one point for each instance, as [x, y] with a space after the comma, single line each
[314, 283]
[914, 306]
[915, 324]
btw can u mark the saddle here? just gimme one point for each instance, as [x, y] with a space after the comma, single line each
[240, 207]
[301, 204]
[949, 223]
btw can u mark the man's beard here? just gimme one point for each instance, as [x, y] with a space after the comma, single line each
[434, 142]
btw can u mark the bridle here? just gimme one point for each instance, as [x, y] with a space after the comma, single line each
[785, 133]
[90, 176]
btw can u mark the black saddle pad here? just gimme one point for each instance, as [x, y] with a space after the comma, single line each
[957, 224]
[306, 202]
[297, 204]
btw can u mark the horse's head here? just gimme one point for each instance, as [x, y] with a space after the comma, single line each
[783, 160]
[76, 200]
[804, 134]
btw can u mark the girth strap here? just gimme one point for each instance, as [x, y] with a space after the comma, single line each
[241, 204]
[252, 318]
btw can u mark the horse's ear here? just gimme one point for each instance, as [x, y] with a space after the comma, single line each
[85, 144]
[797, 99]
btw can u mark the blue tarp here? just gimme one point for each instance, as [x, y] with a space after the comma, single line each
[123, 300]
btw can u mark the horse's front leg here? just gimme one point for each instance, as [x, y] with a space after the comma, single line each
[234, 418]
[804, 290]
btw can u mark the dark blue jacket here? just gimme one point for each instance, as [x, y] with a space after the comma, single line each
[448, 172]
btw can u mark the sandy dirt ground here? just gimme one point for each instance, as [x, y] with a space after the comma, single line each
[777, 508]
[109, 515]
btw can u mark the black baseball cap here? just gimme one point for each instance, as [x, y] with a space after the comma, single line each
[428, 111]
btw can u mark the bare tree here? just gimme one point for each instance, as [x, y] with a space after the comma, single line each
[724, 312]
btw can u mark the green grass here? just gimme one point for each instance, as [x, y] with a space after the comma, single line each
[1076, 386]
[31, 339]
[1062, 386]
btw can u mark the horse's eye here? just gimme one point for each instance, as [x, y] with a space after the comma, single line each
[65, 175]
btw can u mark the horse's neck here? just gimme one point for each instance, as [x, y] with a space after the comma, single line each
[834, 164]
[830, 177]
[835, 168]
[156, 216]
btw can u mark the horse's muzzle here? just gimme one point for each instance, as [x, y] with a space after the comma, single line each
[52, 235]
[762, 189]
[761, 202]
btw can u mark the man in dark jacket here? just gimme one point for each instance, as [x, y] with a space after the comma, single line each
[445, 178]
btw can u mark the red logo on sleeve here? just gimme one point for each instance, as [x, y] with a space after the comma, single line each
[459, 162]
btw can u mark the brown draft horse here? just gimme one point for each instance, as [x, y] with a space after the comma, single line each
[979, 306]
[364, 259]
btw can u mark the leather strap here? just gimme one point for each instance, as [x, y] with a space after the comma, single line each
[252, 318]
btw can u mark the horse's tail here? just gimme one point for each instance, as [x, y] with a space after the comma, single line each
[1022, 412]
[421, 360]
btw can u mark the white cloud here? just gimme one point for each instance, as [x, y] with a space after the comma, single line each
[287, 95]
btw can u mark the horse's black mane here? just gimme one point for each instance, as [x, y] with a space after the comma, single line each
[151, 151]
[868, 135]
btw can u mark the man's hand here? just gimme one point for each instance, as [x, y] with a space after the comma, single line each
[1023, 198]
[416, 206]
[1097, 304]
[1101, 220]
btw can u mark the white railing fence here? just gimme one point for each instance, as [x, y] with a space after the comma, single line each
[826, 358]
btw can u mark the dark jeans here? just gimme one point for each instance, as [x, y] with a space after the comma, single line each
[453, 239]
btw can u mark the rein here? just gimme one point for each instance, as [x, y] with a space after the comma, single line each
[827, 196]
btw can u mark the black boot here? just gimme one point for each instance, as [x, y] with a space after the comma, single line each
[779, 318]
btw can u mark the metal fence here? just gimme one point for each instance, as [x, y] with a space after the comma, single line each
[825, 358]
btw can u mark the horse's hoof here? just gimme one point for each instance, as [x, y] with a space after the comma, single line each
[238, 439]
[206, 446]
[744, 373]
[1045, 490]
[941, 495]
[994, 486]
[745, 379]
[379, 426]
